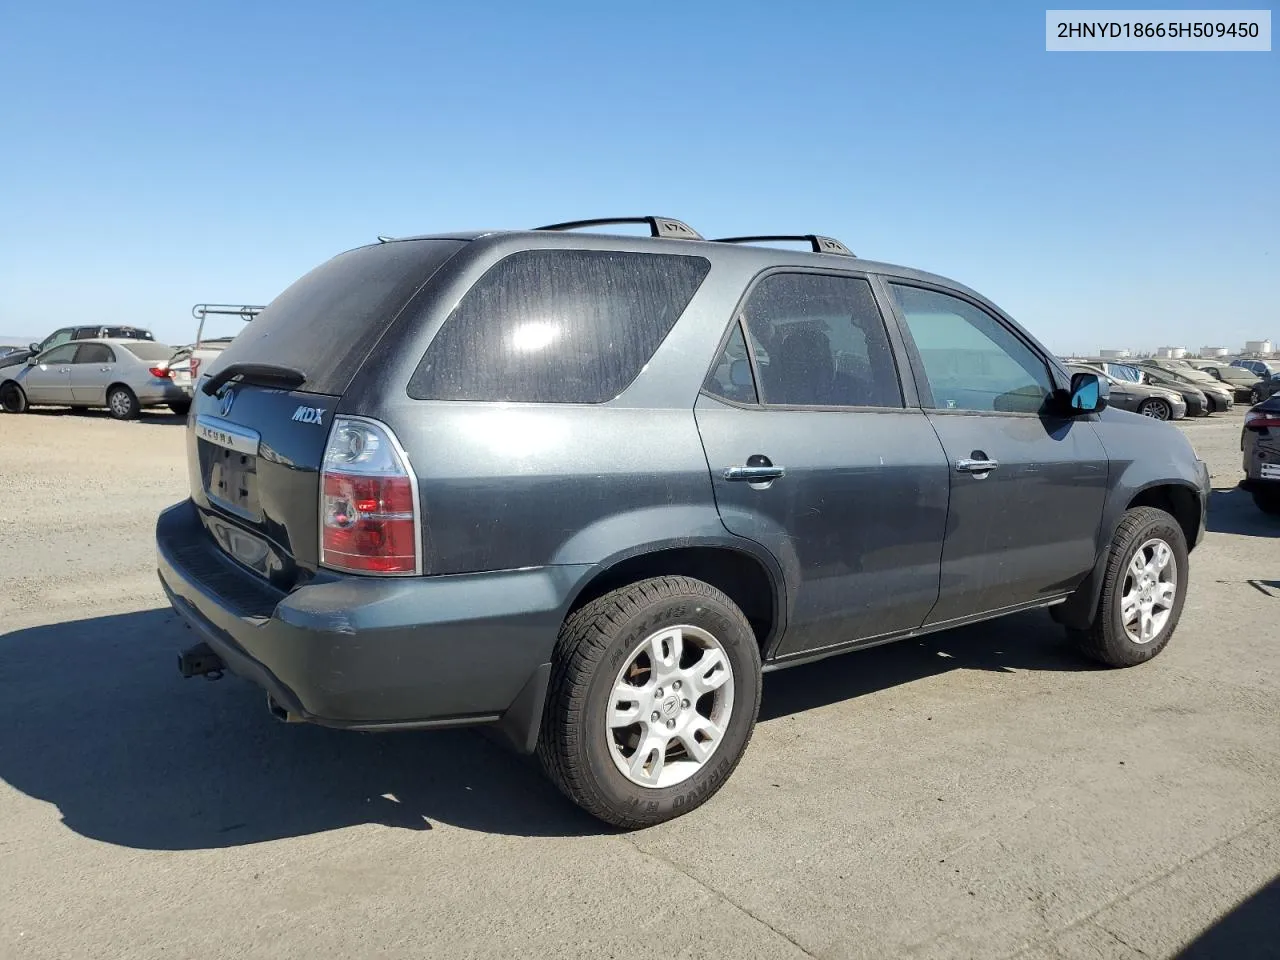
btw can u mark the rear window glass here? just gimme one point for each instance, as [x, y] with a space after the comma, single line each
[326, 323]
[558, 326]
[146, 350]
[127, 333]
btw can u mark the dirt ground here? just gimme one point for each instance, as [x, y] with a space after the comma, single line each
[979, 793]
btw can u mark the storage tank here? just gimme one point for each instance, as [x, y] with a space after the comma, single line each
[1113, 354]
[1213, 353]
[1171, 353]
[1258, 346]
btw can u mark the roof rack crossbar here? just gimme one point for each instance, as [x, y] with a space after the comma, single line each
[658, 226]
[819, 243]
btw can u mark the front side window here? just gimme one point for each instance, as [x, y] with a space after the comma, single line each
[558, 326]
[63, 354]
[820, 341]
[972, 361]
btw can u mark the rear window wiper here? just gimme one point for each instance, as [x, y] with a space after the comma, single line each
[265, 374]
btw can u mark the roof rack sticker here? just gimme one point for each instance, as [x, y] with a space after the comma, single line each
[819, 243]
[666, 227]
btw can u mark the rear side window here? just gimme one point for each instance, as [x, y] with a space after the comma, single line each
[148, 351]
[821, 341]
[95, 353]
[558, 326]
[326, 323]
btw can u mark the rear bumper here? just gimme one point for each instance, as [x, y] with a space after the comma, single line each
[158, 392]
[373, 653]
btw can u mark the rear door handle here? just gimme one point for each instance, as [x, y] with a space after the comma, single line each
[755, 474]
[975, 466]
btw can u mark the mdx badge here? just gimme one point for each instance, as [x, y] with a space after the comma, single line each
[308, 415]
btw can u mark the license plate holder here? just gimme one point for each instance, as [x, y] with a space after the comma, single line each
[229, 465]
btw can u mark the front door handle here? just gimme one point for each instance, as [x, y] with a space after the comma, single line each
[975, 465]
[755, 474]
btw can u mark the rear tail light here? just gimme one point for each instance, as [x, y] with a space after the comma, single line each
[162, 373]
[1262, 420]
[368, 501]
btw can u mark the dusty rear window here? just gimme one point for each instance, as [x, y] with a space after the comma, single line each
[326, 323]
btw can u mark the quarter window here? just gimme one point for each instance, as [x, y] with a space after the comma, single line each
[731, 379]
[558, 326]
[820, 341]
[972, 360]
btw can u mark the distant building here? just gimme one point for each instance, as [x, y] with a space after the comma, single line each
[1171, 353]
[1113, 354]
[1213, 353]
[1258, 346]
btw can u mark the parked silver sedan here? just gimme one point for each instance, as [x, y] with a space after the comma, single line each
[1144, 398]
[122, 375]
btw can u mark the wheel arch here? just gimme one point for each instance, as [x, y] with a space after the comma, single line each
[750, 578]
[1178, 498]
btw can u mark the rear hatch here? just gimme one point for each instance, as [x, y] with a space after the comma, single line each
[256, 444]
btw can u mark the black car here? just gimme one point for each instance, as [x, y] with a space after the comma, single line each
[1265, 388]
[1260, 444]
[586, 489]
[67, 334]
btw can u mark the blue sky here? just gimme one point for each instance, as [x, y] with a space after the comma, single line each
[156, 156]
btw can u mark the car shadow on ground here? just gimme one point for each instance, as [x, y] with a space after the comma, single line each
[158, 415]
[1232, 510]
[1248, 932]
[95, 719]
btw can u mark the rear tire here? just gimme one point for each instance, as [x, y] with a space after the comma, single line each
[1268, 501]
[698, 692]
[1136, 615]
[1156, 409]
[12, 399]
[123, 404]
[181, 408]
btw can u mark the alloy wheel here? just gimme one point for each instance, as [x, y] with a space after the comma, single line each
[1150, 588]
[670, 706]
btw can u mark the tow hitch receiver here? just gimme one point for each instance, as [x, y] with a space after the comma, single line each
[201, 661]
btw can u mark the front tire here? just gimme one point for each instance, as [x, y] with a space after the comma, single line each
[1156, 409]
[653, 697]
[123, 404]
[1143, 589]
[12, 399]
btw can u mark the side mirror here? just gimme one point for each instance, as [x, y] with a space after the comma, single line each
[34, 347]
[740, 373]
[1089, 393]
[33, 360]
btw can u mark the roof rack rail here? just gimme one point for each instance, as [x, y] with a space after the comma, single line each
[820, 244]
[658, 226]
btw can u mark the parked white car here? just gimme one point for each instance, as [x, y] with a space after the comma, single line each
[125, 376]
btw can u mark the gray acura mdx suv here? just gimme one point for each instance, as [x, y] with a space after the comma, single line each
[585, 489]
